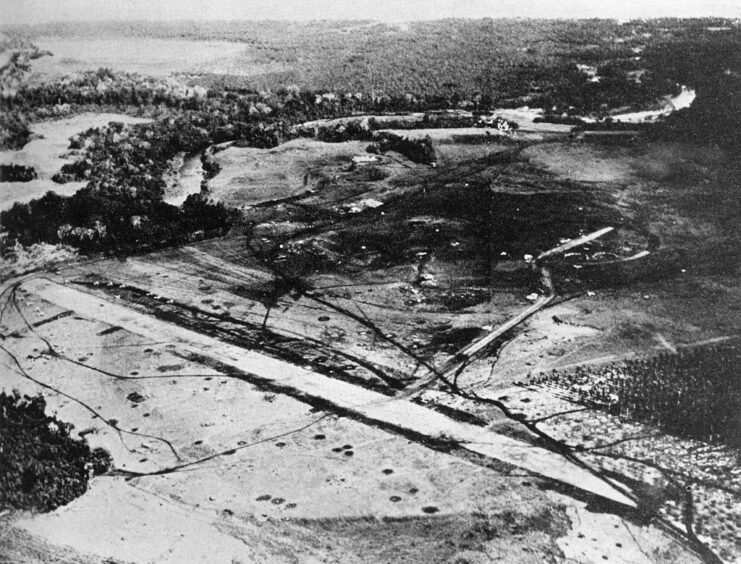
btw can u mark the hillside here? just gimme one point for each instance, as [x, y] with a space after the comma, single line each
[502, 61]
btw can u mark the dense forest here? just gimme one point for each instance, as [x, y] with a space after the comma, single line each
[499, 61]
[693, 392]
[42, 466]
[333, 70]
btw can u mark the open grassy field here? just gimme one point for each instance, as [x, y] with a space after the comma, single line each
[148, 56]
[250, 176]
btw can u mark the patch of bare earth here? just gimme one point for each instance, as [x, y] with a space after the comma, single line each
[376, 280]
[209, 467]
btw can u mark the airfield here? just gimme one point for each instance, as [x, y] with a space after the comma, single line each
[289, 382]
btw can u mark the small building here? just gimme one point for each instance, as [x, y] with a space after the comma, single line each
[363, 160]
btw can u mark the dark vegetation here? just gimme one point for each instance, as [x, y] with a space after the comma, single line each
[41, 465]
[458, 538]
[694, 393]
[438, 63]
[476, 64]
[416, 150]
[445, 217]
[14, 132]
[121, 207]
[363, 127]
[337, 70]
[16, 173]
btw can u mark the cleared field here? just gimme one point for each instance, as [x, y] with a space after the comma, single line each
[422, 251]
[250, 176]
[48, 153]
[147, 56]
[21, 192]
[451, 152]
[583, 163]
[210, 456]
[225, 285]
[627, 163]
[374, 278]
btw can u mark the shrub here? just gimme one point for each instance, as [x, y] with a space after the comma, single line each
[416, 150]
[17, 173]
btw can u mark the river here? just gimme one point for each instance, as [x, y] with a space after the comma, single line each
[679, 102]
[188, 180]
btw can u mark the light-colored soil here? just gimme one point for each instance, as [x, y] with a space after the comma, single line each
[22, 192]
[359, 402]
[132, 332]
[45, 152]
[217, 276]
[47, 155]
[583, 163]
[249, 176]
[229, 445]
[146, 56]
